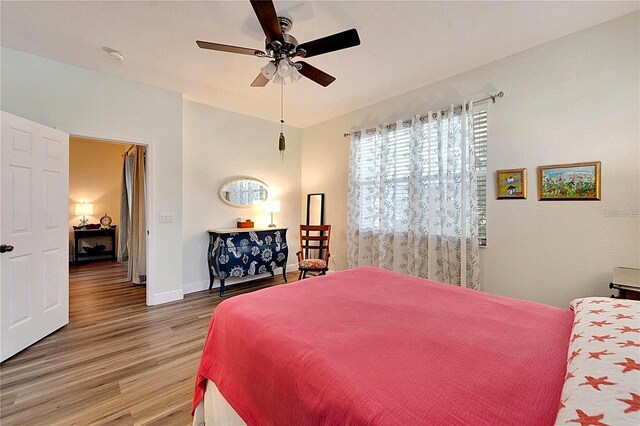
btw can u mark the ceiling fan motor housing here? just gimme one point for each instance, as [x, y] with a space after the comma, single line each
[285, 24]
[290, 42]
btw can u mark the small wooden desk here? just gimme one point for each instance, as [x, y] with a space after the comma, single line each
[80, 234]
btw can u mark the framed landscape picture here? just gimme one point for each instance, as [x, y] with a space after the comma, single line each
[579, 181]
[512, 183]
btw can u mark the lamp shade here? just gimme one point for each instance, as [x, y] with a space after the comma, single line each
[272, 206]
[84, 209]
[295, 74]
[284, 69]
[269, 70]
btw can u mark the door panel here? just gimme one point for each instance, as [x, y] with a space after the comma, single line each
[19, 270]
[34, 180]
[20, 197]
[52, 285]
[20, 140]
[52, 148]
[52, 187]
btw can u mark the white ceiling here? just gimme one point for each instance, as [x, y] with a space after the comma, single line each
[405, 45]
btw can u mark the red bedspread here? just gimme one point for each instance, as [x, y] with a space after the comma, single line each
[368, 346]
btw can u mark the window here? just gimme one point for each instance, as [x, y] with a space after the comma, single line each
[396, 154]
[480, 140]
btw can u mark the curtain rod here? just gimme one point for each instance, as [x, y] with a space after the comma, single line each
[128, 149]
[492, 98]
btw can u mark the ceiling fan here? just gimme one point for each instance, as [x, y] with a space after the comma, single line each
[281, 47]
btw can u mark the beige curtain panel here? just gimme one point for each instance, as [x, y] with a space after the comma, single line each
[125, 200]
[132, 247]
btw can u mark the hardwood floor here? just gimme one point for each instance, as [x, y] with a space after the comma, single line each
[117, 361]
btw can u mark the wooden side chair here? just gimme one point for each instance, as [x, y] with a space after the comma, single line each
[314, 250]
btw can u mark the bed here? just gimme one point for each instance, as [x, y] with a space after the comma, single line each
[368, 346]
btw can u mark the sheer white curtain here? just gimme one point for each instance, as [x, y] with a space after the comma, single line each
[413, 198]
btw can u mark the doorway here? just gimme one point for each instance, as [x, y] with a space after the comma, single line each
[107, 217]
[36, 220]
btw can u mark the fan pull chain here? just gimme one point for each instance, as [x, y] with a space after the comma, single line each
[281, 140]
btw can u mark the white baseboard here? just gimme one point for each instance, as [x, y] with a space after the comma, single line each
[197, 286]
[204, 285]
[169, 296]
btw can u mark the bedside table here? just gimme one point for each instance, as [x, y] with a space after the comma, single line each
[627, 282]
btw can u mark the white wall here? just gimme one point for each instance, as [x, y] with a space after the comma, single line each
[574, 99]
[219, 145]
[74, 98]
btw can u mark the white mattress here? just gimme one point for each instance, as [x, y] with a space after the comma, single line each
[214, 410]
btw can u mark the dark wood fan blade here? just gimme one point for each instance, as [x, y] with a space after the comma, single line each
[266, 13]
[260, 81]
[330, 43]
[313, 73]
[230, 49]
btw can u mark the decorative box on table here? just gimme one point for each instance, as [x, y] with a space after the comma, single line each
[245, 224]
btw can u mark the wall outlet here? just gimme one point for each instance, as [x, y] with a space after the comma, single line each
[167, 218]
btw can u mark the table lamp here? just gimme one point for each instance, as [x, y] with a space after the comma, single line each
[84, 210]
[272, 206]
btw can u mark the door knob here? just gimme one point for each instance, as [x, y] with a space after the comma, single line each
[5, 248]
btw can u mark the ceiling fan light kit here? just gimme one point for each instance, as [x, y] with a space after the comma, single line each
[281, 47]
[284, 68]
[269, 70]
[286, 73]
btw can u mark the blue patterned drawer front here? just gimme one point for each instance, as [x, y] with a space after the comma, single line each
[238, 253]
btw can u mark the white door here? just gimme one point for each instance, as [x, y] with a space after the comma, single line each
[34, 284]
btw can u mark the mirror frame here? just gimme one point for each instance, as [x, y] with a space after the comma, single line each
[321, 194]
[242, 179]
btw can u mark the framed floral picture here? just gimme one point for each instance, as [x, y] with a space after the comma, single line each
[578, 181]
[511, 183]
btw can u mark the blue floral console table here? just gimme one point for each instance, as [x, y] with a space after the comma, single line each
[237, 252]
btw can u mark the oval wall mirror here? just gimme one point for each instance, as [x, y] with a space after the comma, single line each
[244, 192]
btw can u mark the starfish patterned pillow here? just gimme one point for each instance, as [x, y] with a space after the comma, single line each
[602, 385]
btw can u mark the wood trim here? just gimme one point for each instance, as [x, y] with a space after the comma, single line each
[312, 247]
[315, 228]
[315, 237]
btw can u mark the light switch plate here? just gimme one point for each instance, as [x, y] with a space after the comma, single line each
[167, 218]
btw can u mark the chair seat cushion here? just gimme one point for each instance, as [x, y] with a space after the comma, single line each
[312, 264]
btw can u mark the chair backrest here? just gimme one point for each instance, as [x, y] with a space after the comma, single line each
[315, 239]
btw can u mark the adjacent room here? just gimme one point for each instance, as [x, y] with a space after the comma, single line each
[106, 256]
[320, 213]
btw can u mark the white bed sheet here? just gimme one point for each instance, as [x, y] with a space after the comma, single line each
[214, 410]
